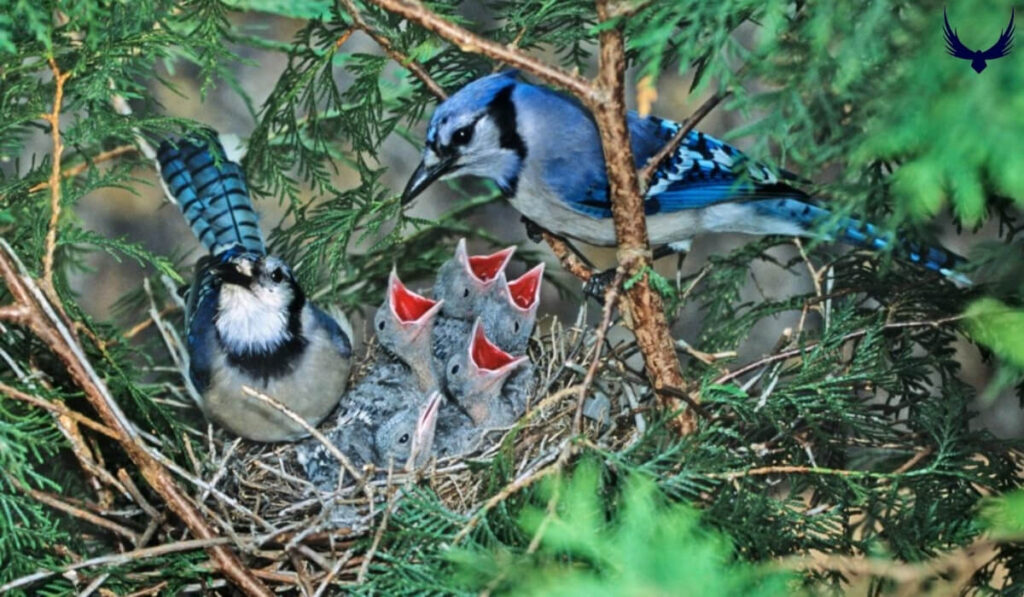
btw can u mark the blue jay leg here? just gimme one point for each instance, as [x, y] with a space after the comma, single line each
[597, 285]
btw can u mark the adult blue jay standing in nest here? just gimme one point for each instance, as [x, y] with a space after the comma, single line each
[543, 151]
[248, 321]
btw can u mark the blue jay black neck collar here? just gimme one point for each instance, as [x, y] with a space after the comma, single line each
[503, 111]
[279, 359]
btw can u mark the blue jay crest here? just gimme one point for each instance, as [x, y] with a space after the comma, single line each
[978, 58]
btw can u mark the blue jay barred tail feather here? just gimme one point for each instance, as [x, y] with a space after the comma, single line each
[861, 234]
[212, 194]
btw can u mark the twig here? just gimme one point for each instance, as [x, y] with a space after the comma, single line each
[569, 260]
[118, 559]
[781, 356]
[77, 169]
[71, 510]
[521, 482]
[652, 165]
[44, 322]
[467, 41]
[611, 297]
[364, 568]
[385, 44]
[317, 435]
[53, 118]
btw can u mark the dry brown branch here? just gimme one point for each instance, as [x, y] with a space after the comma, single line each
[467, 41]
[569, 260]
[53, 118]
[687, 125]
[57, 503]
[611, 297]
[393, 493]
[44, 322]
[385, 44]
[118, 559]
[644, 306]
[798, 352]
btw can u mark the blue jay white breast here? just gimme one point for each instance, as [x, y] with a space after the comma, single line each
[543, 150]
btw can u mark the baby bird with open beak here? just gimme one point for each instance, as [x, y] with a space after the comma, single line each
[476, 378]
[404, 325]
[510, 313]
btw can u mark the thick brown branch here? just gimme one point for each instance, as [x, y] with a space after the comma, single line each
[470, 42]
[569, 260]
[645, 309]
[44, 322]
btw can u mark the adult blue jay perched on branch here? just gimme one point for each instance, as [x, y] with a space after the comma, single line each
[542, 149]
[248, 321]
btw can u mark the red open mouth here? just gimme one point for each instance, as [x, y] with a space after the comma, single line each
[525, 290]
[407, 305]
[485, 354]
[487, 267]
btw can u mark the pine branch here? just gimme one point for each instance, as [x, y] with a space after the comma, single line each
[53, 118]
[43, 321]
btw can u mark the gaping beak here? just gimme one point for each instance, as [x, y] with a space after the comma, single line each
[424, 176]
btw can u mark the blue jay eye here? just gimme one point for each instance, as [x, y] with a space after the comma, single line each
[276, 276]
[463, 135]
[404, 438]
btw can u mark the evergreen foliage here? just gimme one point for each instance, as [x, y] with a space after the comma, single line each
[853, 438]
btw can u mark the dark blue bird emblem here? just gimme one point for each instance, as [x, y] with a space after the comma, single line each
[999, 49]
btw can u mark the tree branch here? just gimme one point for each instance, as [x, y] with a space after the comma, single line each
[644, 308]
[385, 44]
[53, 118]
[467, 41]
[44, 322]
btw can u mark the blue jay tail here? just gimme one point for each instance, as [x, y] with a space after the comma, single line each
[862, 234]
[211, 192]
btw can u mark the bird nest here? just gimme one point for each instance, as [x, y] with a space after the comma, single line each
[262, 488]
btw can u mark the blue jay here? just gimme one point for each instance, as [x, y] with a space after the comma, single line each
[248, 321]
[543, 151]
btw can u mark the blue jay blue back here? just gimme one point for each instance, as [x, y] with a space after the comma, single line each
[248, 321]
[543, 150]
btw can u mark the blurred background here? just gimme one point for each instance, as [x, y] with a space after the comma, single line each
[141, 214]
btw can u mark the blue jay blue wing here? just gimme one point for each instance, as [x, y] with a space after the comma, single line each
[200, 310]
[338, 336]
[211, 188]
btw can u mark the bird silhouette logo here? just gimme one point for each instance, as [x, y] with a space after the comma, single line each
[978, 59]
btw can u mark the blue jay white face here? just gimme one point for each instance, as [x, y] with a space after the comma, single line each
[258, 304]
[472, 133]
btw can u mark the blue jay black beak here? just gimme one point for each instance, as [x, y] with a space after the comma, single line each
[229, 273]
[424, 176]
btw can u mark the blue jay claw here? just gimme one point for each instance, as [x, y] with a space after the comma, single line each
[533, 230]
[597, 285]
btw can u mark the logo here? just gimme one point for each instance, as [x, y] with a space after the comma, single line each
[958, 50]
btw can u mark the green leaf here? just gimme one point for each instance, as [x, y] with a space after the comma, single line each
[999, 327]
